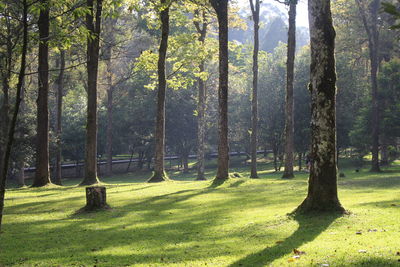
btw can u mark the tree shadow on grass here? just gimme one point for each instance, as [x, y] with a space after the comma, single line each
[309, 228]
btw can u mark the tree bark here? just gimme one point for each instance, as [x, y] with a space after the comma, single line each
[20, 177]
[5, 108]
[110, 37]
[94, 28]
[18, 100]
[42, 175]
[289, 107]
[370, 22]
[159, 172]
[59, 98]
[221, 8]
[201, 106]
[255, 10]
[96, 198]
[322, 188]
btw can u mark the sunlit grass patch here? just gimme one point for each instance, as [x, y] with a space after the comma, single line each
[243, 222]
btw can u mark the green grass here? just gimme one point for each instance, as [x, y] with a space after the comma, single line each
[187, 223]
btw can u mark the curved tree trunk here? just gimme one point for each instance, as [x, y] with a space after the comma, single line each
[201, 106]
[289, 122]
[92, 68]
[18, 100]
[59, 96]
[322, 188]
[255, 10]
[159, 172]
[42, 175]
[221, 8]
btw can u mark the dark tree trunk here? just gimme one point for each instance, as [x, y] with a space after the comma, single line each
[322, 188]
[300, 160]
[5, 108]
[370, 21]
[159, 172]
[42, 175]
[92, 68]
[59, 98]
[18, 100]
[221, 8]
[201, 105]
[255, 10]
[289, 105]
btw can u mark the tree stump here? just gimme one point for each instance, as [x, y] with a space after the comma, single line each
[96, 198]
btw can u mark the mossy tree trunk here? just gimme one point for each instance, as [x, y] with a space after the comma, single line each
[18, 99]
[93, 24]
[201, 103]
[322, 188]
[289, 105]
[159, 174]
[221, 8]
[42, 174]
[369, 16]
[255, 11]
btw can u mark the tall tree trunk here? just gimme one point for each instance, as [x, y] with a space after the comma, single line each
[370, 21]
[20, 177]
[92, 68]
[201, 105]
[108, 52]
[221, 8]
[42, 175]
[159, 172]
[109, 148]
[255, 10]
[289, 118]
[59, 98]
[18, 99]
[322, 188]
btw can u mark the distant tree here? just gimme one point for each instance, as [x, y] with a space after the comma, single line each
[289, 114]
[322, 189]
[201, 103]
[221, 8]
[59, 85]
[369, 14]
[42, 175]
[93, 24]
[255, 11]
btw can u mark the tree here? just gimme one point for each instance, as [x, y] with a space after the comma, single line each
[159, 173]
[59, 85]
[201, 103]
[18, 99]
[108, 53]
[93, 24]
[42, 175]
[255, 11]
[289, 114]
[221, 8]
[322, 188]
[369, 16]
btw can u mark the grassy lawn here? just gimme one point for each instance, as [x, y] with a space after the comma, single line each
[187, 223]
